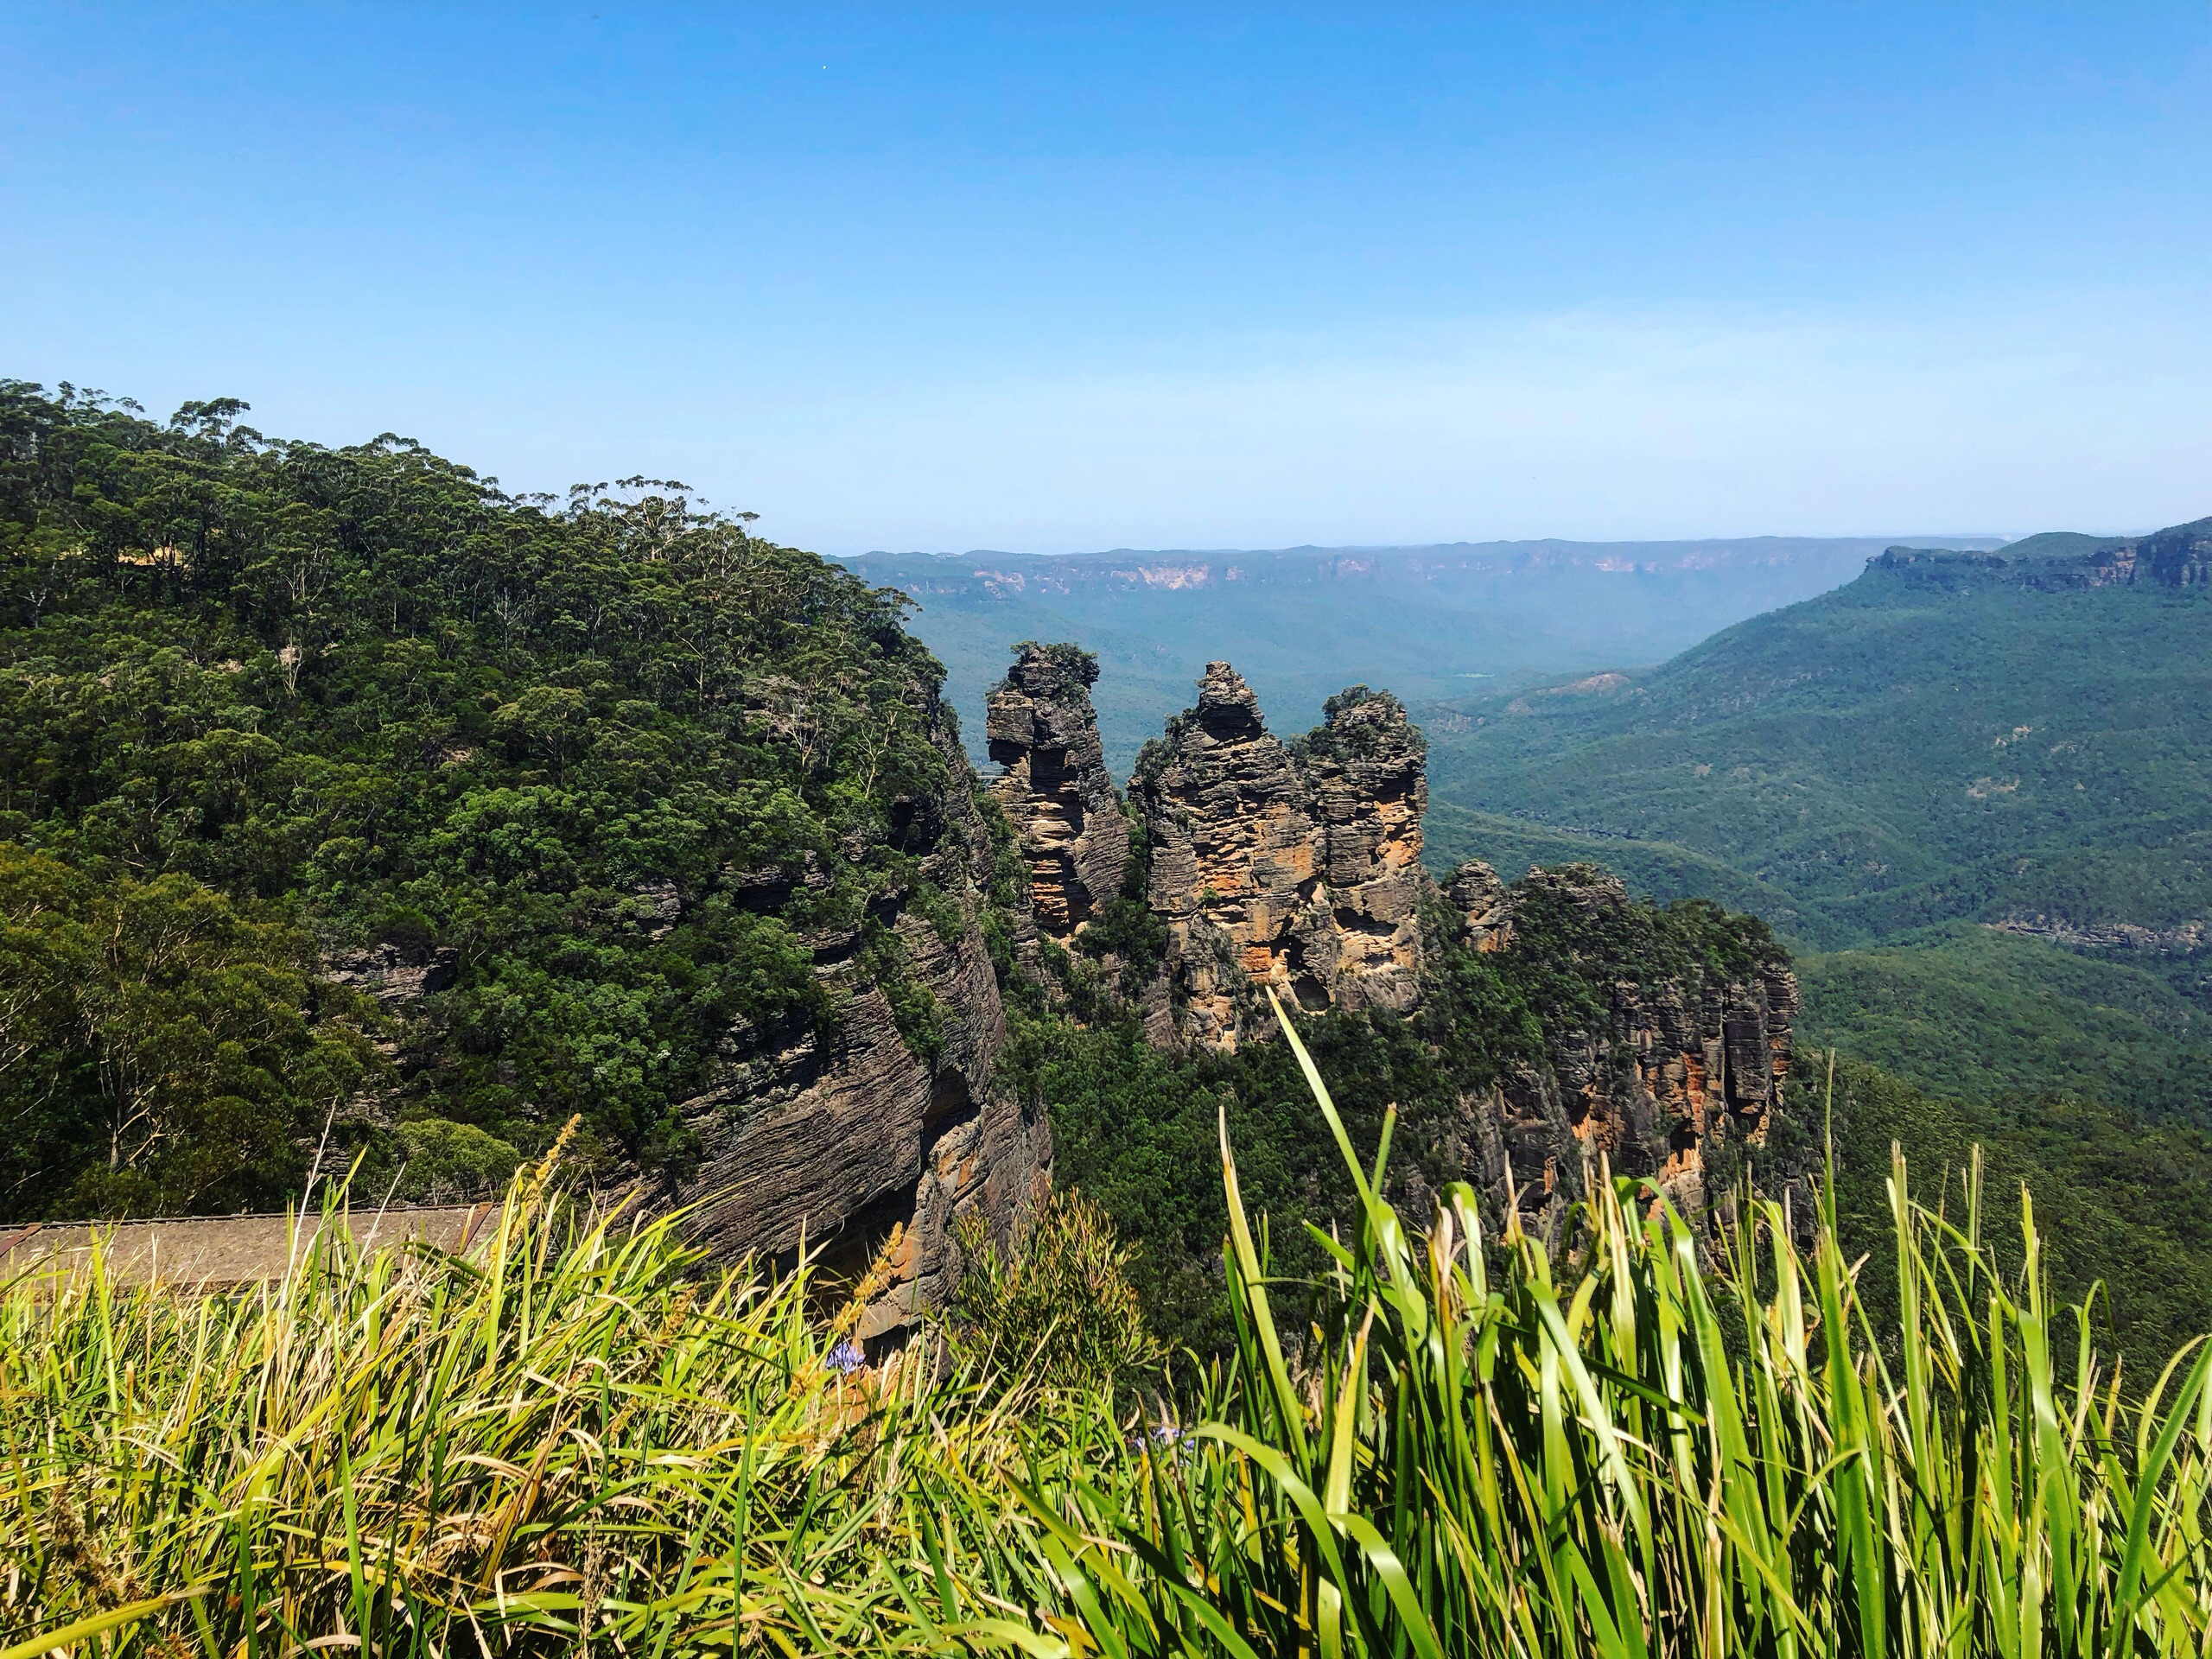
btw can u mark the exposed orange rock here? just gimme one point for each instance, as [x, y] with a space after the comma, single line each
[1055, 789]
[1676, 1068]
[1293, 867]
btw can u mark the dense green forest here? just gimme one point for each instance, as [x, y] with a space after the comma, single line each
[1899, 753]
[262, 701]
[1892, 775]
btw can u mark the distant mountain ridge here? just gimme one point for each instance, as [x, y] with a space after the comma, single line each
[2179, 557]
[989, 570]
[1433, 621]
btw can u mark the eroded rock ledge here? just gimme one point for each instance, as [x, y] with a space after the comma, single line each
[1680, 1074]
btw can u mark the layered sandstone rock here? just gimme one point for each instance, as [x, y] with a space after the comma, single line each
[1679, 1074]
[1367, 787]
[1055, 788]
[1234, 861]
[843, 1136]
[1293, 869]
[1484, 905]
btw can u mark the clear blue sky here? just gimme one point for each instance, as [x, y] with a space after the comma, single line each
[1052, 278]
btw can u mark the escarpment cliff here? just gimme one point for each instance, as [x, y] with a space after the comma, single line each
[888, 1118]
[2179, 555]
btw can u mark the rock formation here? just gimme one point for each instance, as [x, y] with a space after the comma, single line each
[1234, 861]
[1295, 868]
[1485, 908]
[839, 1135]
[1679, 1075]
[1055, 788]
[1365, 779]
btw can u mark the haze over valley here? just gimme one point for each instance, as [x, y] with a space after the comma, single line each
[1431, 623]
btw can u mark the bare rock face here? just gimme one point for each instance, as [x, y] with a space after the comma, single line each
[1293, 869]
[1677, 1075]
[1055, 788]
[397, 975]
[1484, 904]
[1367, 785]
[2180, 556]
[1234, 861]
[842, 1136]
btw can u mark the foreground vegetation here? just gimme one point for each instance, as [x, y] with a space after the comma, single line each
[585, 1438]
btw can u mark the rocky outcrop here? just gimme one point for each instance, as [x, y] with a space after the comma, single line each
[844, 1134]
[1234, 861]
[1484, 906]
[397, 974]
[2180, 556]
[1679, 1077]
[1296, 868]
[1367, 786]
[1055, 790]
[2184, 938]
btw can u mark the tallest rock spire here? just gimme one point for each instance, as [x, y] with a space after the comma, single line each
[1234, 861]
[1292, 867]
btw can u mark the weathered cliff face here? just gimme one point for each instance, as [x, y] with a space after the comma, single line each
[2179, 555]
[1681, 1074]
[1483, 905]
[1293, 869]
[1367, 786]
[1055, 789]
[838, 1135]
[1235, 861]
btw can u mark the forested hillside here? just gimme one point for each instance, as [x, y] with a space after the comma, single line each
[269, 710]
[1946, 737]
[1970, 789]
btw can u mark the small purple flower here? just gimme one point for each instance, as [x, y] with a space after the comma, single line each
[1162, 1437]
[846, 1357]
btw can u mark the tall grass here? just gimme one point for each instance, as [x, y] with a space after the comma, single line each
[1638, 1452]
[588, 1439]
[584, 1437]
